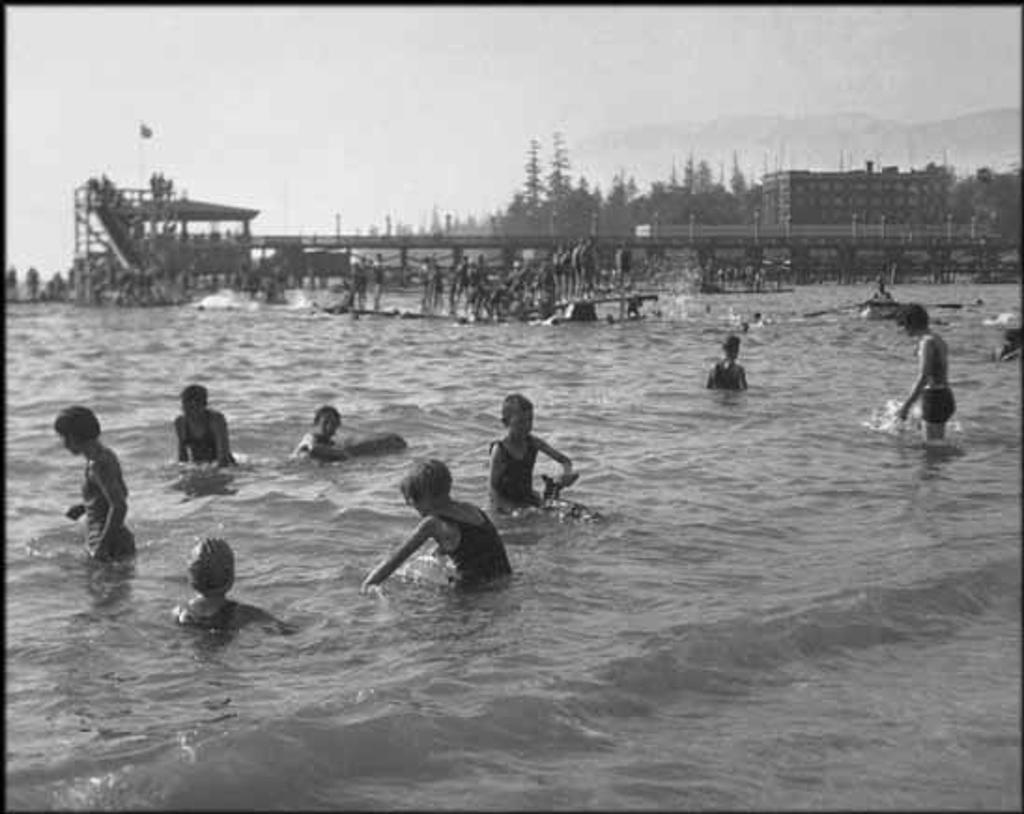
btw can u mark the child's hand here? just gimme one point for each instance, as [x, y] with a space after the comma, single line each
[568, 477]
[75, 512]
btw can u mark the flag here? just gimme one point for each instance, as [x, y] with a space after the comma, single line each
[145, 131]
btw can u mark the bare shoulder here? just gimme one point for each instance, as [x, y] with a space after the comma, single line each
[466, 513]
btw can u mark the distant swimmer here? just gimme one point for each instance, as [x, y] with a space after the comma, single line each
[1011, 346]
[463, 532]
[319, 444]
[104, 493]
[932, 384]
[202, 432]
[881, 294]
[211, 573]
[513, 458]
[728, 374]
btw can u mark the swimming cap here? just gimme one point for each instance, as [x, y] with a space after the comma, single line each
[213, 566]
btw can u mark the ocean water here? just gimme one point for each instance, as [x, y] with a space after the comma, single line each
[789, 601]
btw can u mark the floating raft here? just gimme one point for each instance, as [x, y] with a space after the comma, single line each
[369, 312]
[618, 298]
[711, 288]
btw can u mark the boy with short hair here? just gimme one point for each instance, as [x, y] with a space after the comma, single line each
[321, 446]
[932, 384]
[728, 374]
[202, 432]
[513, 458]
[463, 531]
[104, 493]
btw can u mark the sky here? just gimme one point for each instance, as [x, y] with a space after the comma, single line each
[320, 113]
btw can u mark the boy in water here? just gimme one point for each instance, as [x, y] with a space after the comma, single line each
[463, 531]
[202, 432]
[104, 493]
[513, 458]
[931, 385]
[211, 573]
[320, 445]
[728, 374]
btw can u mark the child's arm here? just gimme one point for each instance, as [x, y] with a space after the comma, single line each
[179, 428]
[424, 531]
[105, 475]
[743, 378]
[220, 436]
[555, 455]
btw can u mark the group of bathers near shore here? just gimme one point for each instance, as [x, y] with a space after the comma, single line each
[464, 533]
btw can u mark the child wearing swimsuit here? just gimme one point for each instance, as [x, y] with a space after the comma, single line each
[211, 573]
[319, 444]
[513, 458]
[104, 493]
[202, 432]
[728, 374]
[932, 383]
[463, 531]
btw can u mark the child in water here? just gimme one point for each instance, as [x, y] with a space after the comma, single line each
[319, 444]
[211, 573]
[202, 432]
[104, 493]
[463, 531]
[931, 385]
[513, 458]
[728, 374]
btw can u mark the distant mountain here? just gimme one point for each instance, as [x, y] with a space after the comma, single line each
[989, 138]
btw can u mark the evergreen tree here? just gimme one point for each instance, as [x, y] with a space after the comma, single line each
[705, 178]
[689, 175]
[534, 187]
[559, 183]
[738, 184]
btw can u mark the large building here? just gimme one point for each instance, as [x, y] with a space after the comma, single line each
[806, 197]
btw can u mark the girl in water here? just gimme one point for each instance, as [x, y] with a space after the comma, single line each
[104, 493]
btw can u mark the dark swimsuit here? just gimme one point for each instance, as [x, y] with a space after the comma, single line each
[122, 541]
[481, 554]
[937, 405]
[725, 377]
[513, 480]
[203, 447]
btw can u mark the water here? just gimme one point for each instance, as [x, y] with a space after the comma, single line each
[789, 602]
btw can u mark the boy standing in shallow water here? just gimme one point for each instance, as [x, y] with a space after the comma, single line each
[104, 493]
[931, 385]
[728, 374]
[463, 531]
[513, 458]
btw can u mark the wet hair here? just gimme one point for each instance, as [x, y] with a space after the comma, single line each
[430, 478]
[194, 393]
[914, 318]
[326, 410]
[77, 422]
[514, 401]
[731, 343]
[212, 567]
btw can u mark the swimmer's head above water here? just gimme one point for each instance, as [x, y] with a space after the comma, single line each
[212, 567]
[77, 423]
